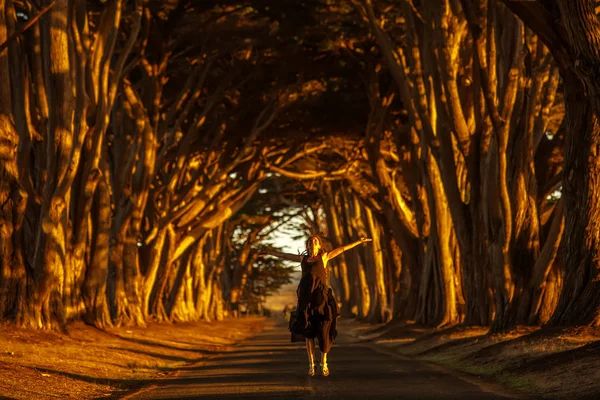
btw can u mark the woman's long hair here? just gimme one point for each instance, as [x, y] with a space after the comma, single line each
[321, 250]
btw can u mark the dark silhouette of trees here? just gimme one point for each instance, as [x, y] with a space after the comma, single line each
[570, 29]
[148, 148]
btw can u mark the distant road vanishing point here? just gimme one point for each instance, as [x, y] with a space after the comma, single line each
[268, 366]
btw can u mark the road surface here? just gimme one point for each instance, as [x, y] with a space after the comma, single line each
[268, 366]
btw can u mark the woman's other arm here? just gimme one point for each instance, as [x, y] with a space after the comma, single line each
[336, 252]
[287, 256]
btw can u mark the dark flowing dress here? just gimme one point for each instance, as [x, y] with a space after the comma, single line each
[317, 309]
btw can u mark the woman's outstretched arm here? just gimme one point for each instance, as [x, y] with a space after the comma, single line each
[336, 252]
[287, 256]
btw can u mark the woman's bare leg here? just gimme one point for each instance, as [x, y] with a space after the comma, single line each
[323, 358]
[310, 349]
[324, 367]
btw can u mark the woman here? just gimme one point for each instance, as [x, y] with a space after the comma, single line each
[317, 310]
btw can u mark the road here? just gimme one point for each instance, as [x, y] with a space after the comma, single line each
[268, 366]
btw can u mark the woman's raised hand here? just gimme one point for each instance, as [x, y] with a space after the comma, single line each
[364, 239]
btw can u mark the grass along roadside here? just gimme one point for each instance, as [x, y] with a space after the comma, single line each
[543, 363]
[88, 363]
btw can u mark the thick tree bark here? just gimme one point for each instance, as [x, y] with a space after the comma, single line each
[341, 200]
[337, 238]
[360, 292]
[444, 296]
[15, 93]
[51, 252]
[580, 298]
[158, 299]
[125, 270]
[380, 311]
[182, 295]
[11, 262]
[175, 306]
[157, 259]
[94, 290]
[202, 288]
[51, 113]
[545, 276]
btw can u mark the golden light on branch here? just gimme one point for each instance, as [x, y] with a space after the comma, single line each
[326, 175]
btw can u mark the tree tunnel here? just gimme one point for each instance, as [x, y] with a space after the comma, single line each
[148, 148]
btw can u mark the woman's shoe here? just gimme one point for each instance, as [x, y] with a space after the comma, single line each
[324, 369]
[311, 370]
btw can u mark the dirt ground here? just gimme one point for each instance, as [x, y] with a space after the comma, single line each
[546, 363]
[88, 363]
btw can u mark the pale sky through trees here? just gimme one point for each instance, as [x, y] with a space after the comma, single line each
[283, 237]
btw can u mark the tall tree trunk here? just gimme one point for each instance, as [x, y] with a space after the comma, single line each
[545, 276]
[51, 252]
[358, 231]
[355, 229]
[199, 279]
[379, 296]
[183, 308]
[127, 291]
[94, 286]
[11, 262]
[157, 263]
[335, 234]
[348, 235]
[445, 294]
[158, 306]
[175, 305]
[580, 298]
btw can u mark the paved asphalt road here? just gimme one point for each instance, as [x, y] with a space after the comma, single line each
[268, 366]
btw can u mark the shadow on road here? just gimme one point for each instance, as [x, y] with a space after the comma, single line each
[270, 367]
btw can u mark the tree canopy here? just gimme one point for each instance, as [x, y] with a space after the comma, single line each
[149, 148]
